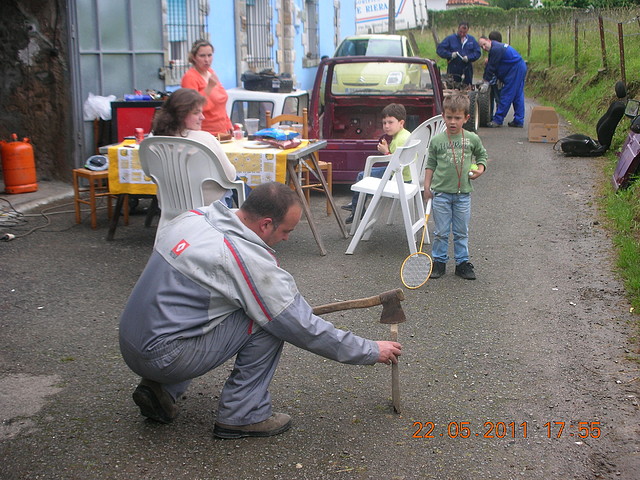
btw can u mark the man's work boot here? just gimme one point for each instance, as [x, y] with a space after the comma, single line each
[154, 402]
[275, 424]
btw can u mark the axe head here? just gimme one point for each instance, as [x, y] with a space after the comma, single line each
[392, 312]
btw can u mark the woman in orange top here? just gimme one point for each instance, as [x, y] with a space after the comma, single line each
[204, 80]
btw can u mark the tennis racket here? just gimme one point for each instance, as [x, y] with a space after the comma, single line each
[416, 268]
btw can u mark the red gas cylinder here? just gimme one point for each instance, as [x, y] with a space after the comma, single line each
[18, 166]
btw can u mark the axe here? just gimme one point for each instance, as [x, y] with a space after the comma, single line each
[392, 314]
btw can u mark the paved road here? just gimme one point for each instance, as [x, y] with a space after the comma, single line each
[539, 339]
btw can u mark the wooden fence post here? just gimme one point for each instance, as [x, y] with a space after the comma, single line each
[623, 73]
[529, 41]
[549, 44]
[575, 50]
[603, 46]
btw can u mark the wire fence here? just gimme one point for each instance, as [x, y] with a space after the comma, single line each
[572, 41]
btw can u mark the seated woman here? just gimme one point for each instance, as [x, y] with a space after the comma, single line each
[181, 116]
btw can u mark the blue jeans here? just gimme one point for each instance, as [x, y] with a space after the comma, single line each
[230, 198]
[451, 213]
[376, 172]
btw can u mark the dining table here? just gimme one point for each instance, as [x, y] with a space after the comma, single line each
[256, 162]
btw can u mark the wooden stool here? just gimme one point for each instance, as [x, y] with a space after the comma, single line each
[98, 187]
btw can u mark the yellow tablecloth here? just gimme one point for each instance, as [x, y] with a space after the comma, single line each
[258, 165]
[125, 173]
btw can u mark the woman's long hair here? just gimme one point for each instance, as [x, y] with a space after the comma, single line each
[169, 118]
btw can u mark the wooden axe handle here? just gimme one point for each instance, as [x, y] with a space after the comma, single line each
[358, 303]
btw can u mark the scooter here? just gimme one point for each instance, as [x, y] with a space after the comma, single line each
[578, 145]
[628, 166]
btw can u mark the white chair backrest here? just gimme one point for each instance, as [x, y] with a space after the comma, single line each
[402, 157]
[425, 132]
[187, 173]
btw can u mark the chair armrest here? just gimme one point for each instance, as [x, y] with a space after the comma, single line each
[372, 160]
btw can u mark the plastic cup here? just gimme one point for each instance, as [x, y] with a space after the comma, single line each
[252, 125]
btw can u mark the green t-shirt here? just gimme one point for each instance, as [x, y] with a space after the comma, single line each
[450, 172]
[399, 139]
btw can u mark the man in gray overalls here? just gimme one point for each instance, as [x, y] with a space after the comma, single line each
[213, 289]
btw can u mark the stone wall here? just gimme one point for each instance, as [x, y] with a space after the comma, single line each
[35, 91]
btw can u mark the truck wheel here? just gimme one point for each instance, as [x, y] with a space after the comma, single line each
[484, 107]
[473, 123]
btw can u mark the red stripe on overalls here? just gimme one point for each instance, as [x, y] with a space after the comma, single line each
[249, 283]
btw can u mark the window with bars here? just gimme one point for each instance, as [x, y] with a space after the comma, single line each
[259, 38]
[186, 22]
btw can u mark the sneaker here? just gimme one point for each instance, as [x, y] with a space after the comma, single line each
[493, 124]
[347, 207]
[349, 219]
[515, 125]
[274, 425]
[438, 269]
[465, 270]
[154, 402]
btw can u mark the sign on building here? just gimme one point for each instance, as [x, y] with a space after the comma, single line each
[372, 16]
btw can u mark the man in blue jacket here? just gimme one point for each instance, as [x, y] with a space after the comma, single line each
[460, 50]
[507, 65]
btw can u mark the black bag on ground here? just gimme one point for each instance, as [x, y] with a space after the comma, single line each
[578, 145]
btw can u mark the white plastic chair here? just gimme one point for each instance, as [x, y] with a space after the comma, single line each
[188, 175]
[384, 191]
[423, 132]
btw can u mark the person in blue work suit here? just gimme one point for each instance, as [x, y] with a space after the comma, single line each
[460, 50]
[507, 65]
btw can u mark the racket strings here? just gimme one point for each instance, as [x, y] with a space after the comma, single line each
[416, 270]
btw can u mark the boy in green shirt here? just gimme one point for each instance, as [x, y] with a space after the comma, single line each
[455, 158]
[395, 135]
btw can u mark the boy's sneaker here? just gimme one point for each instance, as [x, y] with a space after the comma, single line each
[465, 270]
[438, 269]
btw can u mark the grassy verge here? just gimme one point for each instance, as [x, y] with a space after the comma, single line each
[581, 99]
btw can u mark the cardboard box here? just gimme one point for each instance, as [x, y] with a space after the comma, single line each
[543, 125]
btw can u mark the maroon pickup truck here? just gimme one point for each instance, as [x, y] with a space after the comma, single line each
[347, 101]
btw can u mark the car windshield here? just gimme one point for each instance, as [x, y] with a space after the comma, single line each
[370, 47]
[381, 78]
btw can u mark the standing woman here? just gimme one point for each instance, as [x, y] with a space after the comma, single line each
[204, 80]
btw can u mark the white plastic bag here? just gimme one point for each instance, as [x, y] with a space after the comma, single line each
[98, 107]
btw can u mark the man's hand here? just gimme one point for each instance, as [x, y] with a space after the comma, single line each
[454, 55]
[465, 59]
[389, 352]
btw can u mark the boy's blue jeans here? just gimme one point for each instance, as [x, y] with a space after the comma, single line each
[451, 213]
[376, 172]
